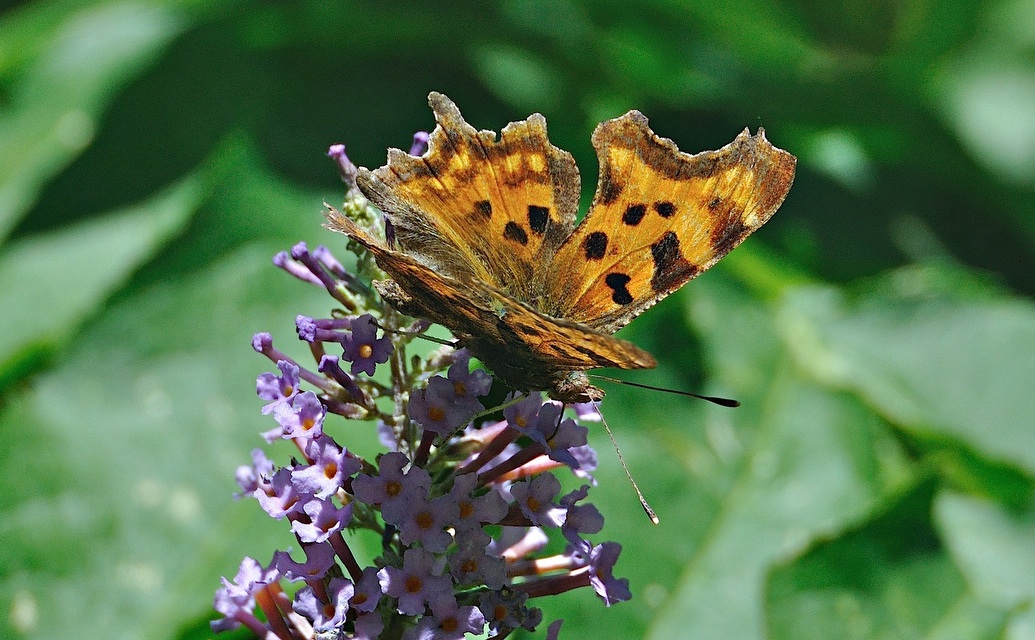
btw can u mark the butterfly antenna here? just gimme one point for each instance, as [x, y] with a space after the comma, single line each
[722, 402]
[639, 494]
[415, 334]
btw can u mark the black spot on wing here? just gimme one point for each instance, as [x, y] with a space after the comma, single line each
[671, 269]
[595, 245]
[665, 209]
[483, 208]
[513, 231]
[633, 214]
[610, 189]
[618, 283]
[538, 218]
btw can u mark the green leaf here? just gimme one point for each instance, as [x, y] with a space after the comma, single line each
[54, 110]
[939, 365]
[888, 579]
[995, 550]
[51, 282]
[796, 461]
[519, 77]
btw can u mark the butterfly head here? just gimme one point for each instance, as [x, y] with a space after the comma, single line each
[574, 387]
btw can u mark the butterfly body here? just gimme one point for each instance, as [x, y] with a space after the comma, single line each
[488, 244]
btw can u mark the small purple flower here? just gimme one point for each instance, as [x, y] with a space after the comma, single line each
[364, 349]
[248, 476]
[448, 622]
[369, 626]
[329, 366]
[524, 413]
[331, 465]
[322, 329]
[236, 600]
[557, 436]
[587, 411]
[318, 559]
[420, 143]
[368, 591]
[437, 409]
[580, 519]
[302, 418]
[468, 384]
[546, 423]
[505, 610]
[425, 521]
[569, 435]
[419, 582]
[471, 566]
[283, 260]
[601, 561]
[325, 519]
[278, 389]
[488, 508]
[325, 615]
[300, 252]
[391, 486]
[278, 495]
[586, 456]
[332, 264]
[535, 499]
[553, 632]
[347, 169]
[262, 342]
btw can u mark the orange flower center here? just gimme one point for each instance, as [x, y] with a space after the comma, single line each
[365, 351]
[413, 584]
[424, 520]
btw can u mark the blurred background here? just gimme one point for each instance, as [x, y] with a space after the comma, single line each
[879, 331]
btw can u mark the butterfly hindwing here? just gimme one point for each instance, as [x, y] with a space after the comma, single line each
[660, 217]
[513, 339]
[477, 208]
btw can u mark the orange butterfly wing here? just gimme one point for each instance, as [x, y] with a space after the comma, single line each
[488, 245]
[527, 349]
[477, 208]
[660, 217]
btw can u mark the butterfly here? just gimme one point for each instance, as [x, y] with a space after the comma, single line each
[486, 241]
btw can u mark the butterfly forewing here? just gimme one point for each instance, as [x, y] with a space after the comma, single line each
[661, 217]
[477, 208]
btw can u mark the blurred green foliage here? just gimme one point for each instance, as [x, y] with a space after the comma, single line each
[877, 482]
